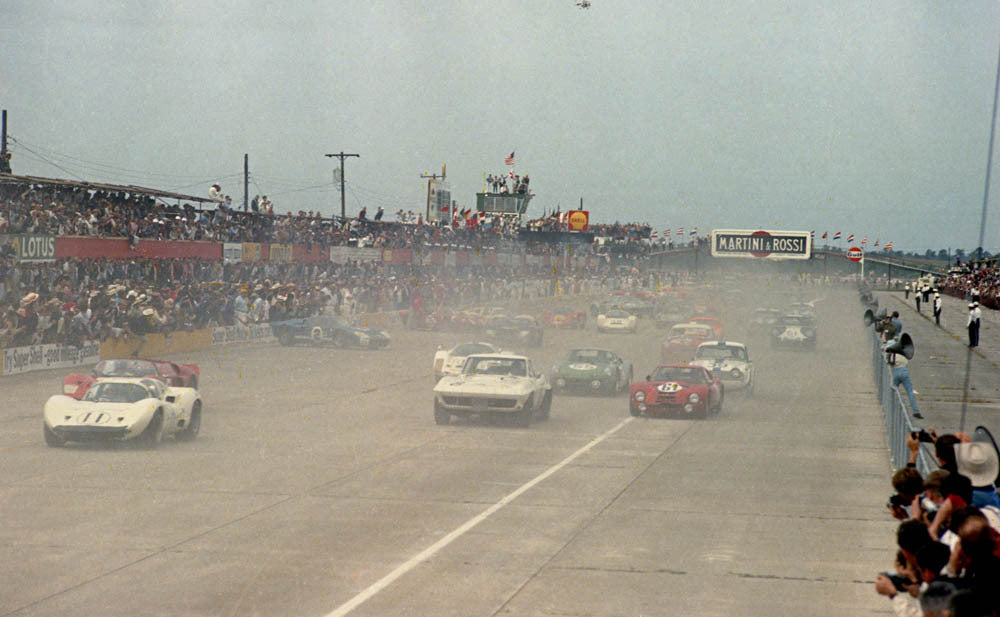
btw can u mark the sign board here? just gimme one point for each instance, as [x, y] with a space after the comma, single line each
[251, 251]
[50, 355]
[578, 220]
[34, 248]
[855, 253]
[281, 253]
[438, 200]
[761, 244]
[232, 252]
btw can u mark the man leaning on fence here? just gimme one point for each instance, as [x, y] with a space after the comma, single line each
[900, 367]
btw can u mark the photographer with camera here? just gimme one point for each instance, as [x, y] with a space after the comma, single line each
[898, 362]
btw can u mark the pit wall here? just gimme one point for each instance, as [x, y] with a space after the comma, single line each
[18, 360]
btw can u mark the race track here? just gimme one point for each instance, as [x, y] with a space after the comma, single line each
[320, 485]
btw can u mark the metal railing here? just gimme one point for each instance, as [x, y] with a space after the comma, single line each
[898, 423]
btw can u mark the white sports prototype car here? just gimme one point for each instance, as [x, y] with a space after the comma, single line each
[119, 409]
[728, 361]
[450, 361]
[498, 384]
[617, 320]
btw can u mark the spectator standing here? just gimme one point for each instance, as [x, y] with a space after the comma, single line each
[906, 291]
[900, 365]
[937, 308]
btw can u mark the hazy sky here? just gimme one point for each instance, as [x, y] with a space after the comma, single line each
[866, 117]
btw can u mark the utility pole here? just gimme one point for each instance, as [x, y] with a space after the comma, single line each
[341, 155]
[4, 161]
[427, 214]
[246, 179]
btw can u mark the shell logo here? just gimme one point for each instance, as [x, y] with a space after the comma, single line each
[578, 220]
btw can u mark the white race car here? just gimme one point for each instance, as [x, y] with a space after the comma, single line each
[494, 384]
[728, 361]
[120, 408]
[617, 320]
[450, 361]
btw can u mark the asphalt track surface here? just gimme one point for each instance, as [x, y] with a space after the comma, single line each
[321, 486]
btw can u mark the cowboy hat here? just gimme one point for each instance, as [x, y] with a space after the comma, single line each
[147, 312]
[28, 299]
[978, 462]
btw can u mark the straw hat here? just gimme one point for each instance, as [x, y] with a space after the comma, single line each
[28, 299]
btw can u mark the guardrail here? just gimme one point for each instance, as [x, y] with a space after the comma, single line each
[898, 422]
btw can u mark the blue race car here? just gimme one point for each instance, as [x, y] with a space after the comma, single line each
[326, 330]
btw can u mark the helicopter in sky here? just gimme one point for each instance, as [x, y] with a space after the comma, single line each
[583, 4]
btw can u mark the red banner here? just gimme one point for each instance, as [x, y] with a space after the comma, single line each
[118, 248]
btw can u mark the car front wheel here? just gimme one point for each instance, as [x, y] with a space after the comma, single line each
[193, 425]
[441, 415]
[51, 439]
[153, 435]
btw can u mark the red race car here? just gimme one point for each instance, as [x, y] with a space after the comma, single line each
[171, 373]
[712, 322]
[680, 389]
[683, 339]
[564, 319]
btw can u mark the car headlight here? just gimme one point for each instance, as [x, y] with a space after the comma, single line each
[694, 398]
[736, 373]
[640, 396]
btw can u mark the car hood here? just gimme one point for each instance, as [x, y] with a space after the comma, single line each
[580, 368]
[58, 407]
[724, 365]
[484, 384]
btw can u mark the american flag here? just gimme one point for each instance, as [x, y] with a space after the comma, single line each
[509, 160]
[836, 236]
[694, 231]
[850, 238]
[864, 241]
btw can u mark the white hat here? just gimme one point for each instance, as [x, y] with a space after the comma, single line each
[977, 461]
[148, 312]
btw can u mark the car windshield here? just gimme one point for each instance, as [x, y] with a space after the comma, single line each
[468, 349]
[115, 392]
[689, 374]
[616, 314]
[125, 368]
[495, 366]
[721, 352]
[796, 320]
[703, 331]
[588, 355]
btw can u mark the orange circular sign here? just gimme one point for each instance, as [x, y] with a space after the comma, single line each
[578, 220]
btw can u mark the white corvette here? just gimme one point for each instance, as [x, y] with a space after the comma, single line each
[728, 361]
[119, 409]
[617, 320]
[450, 361]
[495, 385]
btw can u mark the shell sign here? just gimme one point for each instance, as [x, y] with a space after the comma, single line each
[578, 220]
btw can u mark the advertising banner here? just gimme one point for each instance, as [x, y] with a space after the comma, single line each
[74, 247]
[578, 220]
[232, 252]
[34, 248]
[761, 244]
[251, 251]
[281, 253]
[39, 357]
[257, 333]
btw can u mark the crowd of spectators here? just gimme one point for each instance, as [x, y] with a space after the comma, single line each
[69, 301]
[948, 539]
[979, 281]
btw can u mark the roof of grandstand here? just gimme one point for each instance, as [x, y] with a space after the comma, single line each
[98, 186]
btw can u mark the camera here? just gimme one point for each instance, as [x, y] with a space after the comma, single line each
[897, 501]
[900, 582]
[923, 436]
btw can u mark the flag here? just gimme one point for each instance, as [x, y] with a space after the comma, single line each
[694, 231]
[812, 235]
[511, 174]
[864, 241]
[680, 231]
[666, 233]
[888, 246]
[836, 236]
[509, 160]
[876, 243]
[653, 235]
[824, 234]
[850, 238]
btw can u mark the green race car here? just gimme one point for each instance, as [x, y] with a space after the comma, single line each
[589, 370]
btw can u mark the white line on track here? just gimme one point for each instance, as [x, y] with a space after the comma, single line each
[458, 532]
